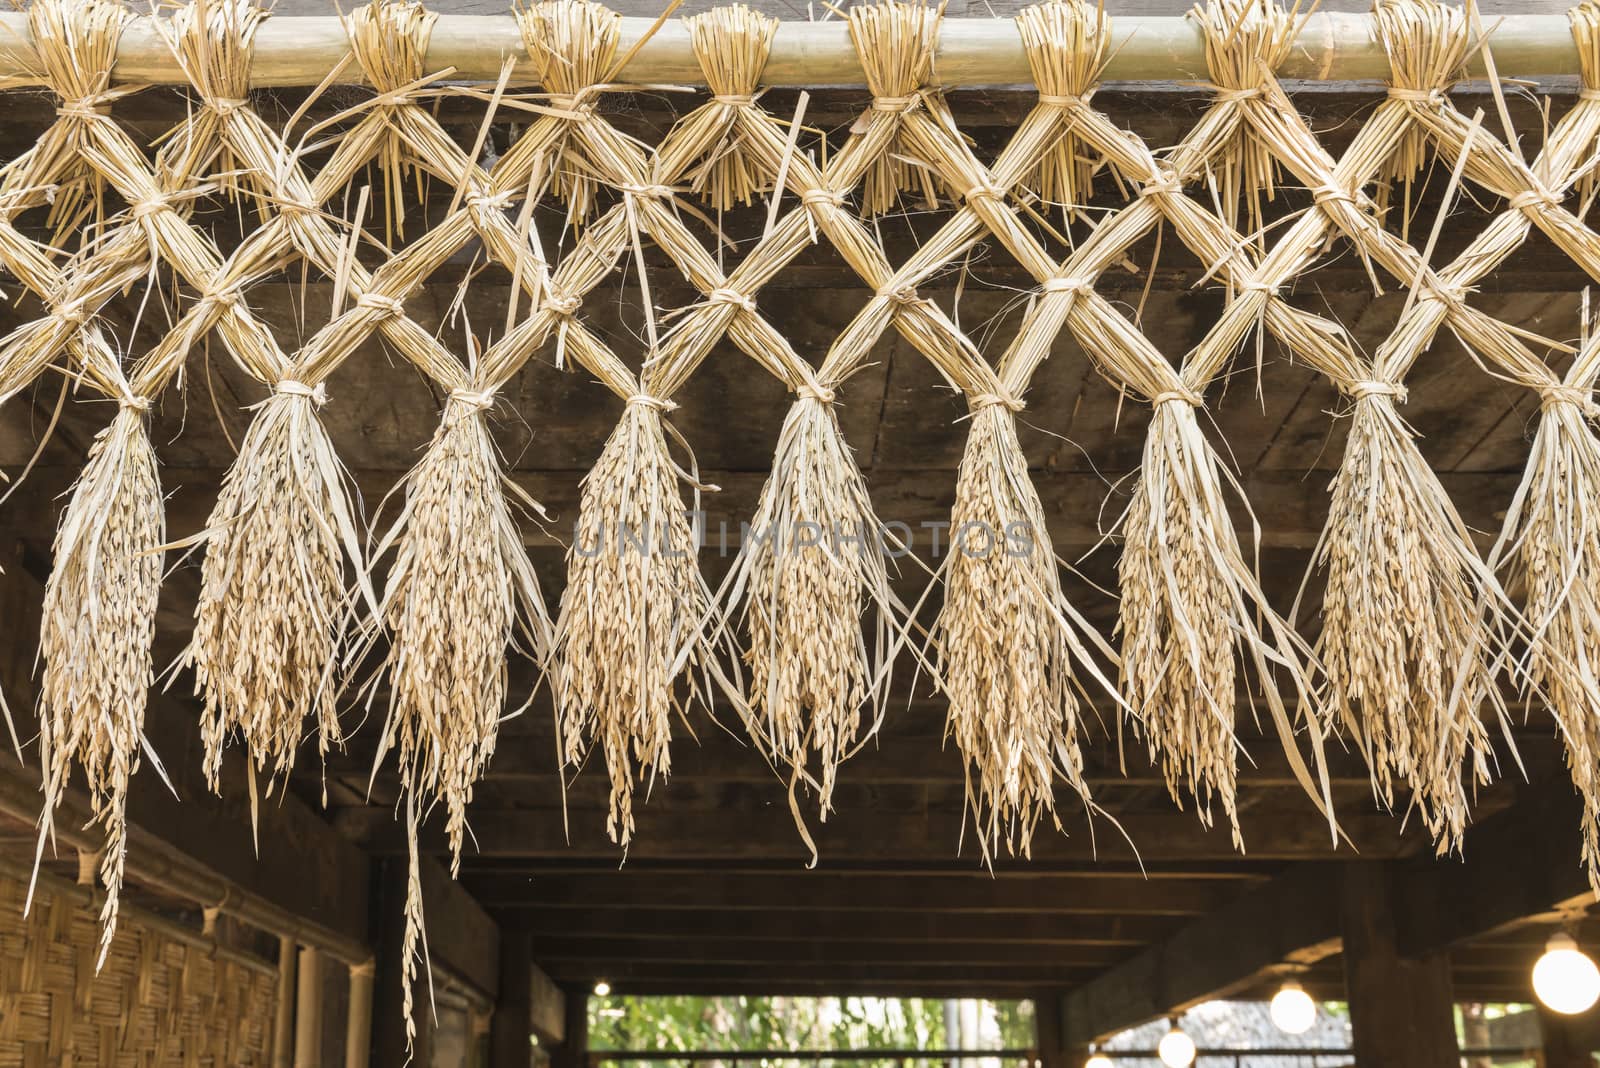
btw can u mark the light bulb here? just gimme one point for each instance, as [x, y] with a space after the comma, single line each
[1176, 1049]
[1565, 979]
[1293, 1010]
[602, 988]
[1098, 1060]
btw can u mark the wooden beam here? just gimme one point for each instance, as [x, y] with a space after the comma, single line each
[681, 823]
[808, 924]
[1292, 920]
[776, 894]
[1402, 1014]
[560, 954]
[958, 980]
[1519, 866]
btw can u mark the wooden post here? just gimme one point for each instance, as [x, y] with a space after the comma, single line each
[308, 1010]
[1401, 1012]
[1048, 1042]
[511, 1026]
[283, 1020]
[358, 1018]
[1567, 1041]
[573, 1052]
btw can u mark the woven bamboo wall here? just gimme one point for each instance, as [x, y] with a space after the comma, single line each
[157, 1001]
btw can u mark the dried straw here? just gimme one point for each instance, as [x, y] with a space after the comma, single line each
[1067, 50]
[896, 43]
[636, 614]
[731, 44]
[95, 638]
[573, 47]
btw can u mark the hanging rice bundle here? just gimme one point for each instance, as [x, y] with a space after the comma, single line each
[1550, 546]
[636, 614]
[1067, 46]
[731, 44]
[896, 43]
[273, 603]
[1010, 646]
[389, 39]
[814, 560]
[98, 625]
[1410, 617]
[573, 47]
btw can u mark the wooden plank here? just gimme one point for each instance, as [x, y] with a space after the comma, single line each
[973, 894]
[954, 980]
[1293, 919]
[559, 953]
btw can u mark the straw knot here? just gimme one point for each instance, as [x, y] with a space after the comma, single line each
[1408, 95]
[654, 191]
[89, 107]
[986, 191]
[1167, 185]
[385, 305]
[899, 294]
[225, 105]
[74, 312]
[980, 401]
[1066, 284]
[1064, 101]
[1328, 191]
[1558, 393]
[1533, 198]
[1588, 93]
[896, 103]
[813, 197]
[130, 402]
[814, 391]
[228, 294]
[472, 400]
[149, 205]
[1224, 95]
[724, 295]
[734, 100]
[656, 404]
[1181, 395]
[559, 303]
[289, 387]
[1377, 388]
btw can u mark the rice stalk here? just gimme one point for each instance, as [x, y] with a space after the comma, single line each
[731, 45]
[1427, 46]
[1011, 650]
[273, 603]
[812, 563]
[460, 585]
[95, 638]
[573, 47]
[1410, 637]
[636, 615]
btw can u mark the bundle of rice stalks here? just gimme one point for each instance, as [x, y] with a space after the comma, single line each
[1010, 646]
[273, 604]
[573, 47]
[389, 39]
[1427, 44]
[1412, 620]
[814, 560]
[636, 614]
[1245, 42]
[1550, 547]
[896, 43]
[460, 584]
[1192, 612]
[1067, 47]
[98, 625]
[731, 44]
[214, 41]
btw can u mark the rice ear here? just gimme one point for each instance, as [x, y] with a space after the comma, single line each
[636, 620]
[812, 563]
[1014, 657]
[274, 604]
[460, 585]
[95, 639]
[1413, 624]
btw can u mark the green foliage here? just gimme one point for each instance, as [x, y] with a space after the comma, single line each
[793, 1023]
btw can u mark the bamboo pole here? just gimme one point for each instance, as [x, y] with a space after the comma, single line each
[300, 50]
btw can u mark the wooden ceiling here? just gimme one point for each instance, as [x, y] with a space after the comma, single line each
[715, 894]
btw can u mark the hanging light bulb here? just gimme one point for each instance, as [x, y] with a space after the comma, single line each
[1292, 1009]
[1176, 1049]
[1098, 1060]
[1565, 979]
[602, 988]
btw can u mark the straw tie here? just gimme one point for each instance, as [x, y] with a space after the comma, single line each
[473, 400]
[1377, 388]
[653, 403]
[980, 401]
[1177, 396]
[1558, 393]
[289, 387]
